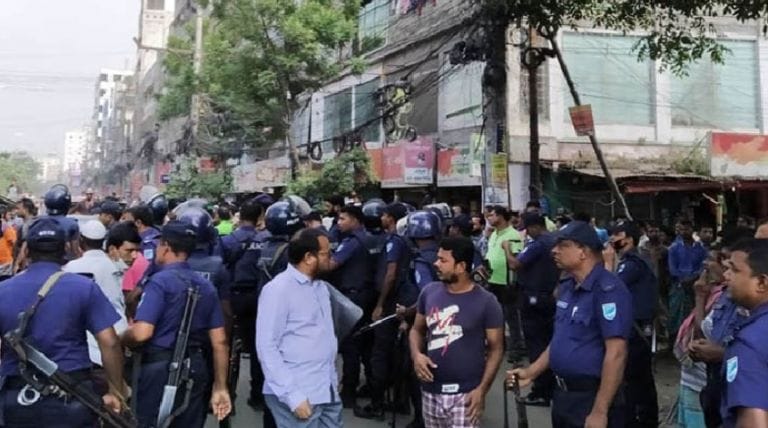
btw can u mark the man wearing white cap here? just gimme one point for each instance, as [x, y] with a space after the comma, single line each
[96, 263]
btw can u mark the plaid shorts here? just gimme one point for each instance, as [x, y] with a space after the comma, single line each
[446, 410]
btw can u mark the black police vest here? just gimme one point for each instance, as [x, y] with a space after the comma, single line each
[403, 263]
[272, 261]
[358, 273]
[246, 271]
[208, 267]
[409, 291]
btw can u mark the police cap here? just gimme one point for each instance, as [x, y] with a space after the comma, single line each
[582, 233]
[46, 234]
[178, 231]
[396, 210]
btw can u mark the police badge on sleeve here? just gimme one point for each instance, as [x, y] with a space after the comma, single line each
[609, 311]
[731, 368]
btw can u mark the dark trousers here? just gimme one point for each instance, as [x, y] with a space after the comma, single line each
[413, 386]
[48, 411]
[152, 381]
[538, 324]
[571, 408]
[642, 407]
[244, 305]
[384, 358]
[509, 299]
[711, 395]
[357, 350]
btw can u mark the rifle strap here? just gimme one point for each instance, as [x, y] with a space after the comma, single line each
[44, 290]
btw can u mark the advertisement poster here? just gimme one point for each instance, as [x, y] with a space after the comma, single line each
[454, 167]
[738, 155]
[419, 161]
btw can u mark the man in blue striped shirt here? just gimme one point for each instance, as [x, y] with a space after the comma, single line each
[295, 339]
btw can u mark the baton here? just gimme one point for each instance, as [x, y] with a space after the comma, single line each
[371, 326]
[522, 411]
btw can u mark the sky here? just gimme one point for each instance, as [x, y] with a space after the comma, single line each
[50, 55]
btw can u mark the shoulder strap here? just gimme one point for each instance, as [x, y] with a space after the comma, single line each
[44, 290]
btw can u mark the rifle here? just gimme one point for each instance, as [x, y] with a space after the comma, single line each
[180, 367]
[60, 383]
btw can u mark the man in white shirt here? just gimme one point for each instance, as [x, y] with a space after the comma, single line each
[107, 274]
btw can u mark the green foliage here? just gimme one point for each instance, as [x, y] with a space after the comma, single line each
[695, 162]
[341, 175]
[188, 182]
[259, 56]
[677, 32]
[21, 168]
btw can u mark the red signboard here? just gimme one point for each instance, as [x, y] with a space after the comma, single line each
[583, 123]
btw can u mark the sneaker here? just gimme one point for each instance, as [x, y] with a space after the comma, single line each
[255, 403]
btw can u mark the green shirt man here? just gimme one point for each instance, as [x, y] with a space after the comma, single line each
[497, 257]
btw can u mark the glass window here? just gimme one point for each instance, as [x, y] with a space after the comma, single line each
[609, 76]
[373, 21]
[300, 125]
[337, 114]
[366, 110]
[462, 94]
[721, 96]
[155, 4]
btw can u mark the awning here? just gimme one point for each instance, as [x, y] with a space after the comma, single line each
[635, 181]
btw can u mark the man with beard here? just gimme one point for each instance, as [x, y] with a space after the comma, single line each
[300, 387]
[333, 206]
[462, 325]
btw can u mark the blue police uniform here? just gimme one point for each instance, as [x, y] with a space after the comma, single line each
[162, 305]
[70, 226]
[231, 247]
[354, 277]
[385, 336]
[586, 315]
[149, 240]
[745, 368]
[641, 398]
[719, 326]
[536, 279]
[212, 269]
[74, 305]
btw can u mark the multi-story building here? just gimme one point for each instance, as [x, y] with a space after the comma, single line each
[654, 127]
[109, 86]
[75, 146]
[50, 168]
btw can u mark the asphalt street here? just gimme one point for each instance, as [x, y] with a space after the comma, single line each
[667, 378]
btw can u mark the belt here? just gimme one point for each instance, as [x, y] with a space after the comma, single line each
[244, 289]
[18, 382]
[156, 355]
[581, 383]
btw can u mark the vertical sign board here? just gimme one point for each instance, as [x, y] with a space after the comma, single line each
[419, 161]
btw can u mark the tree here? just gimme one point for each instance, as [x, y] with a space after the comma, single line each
[339, 176]
[21, 168]
[260, 55]
[189, 182]
[675, 32]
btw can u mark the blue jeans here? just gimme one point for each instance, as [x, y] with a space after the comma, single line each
[323, 415]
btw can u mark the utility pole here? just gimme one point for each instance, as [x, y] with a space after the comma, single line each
[592, 139]
[197, 62]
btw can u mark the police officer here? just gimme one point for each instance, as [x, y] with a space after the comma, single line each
[642, 408]
[392, 267]
[143, 217]
[744, 401]
[333, 207]
[57, 202]
[593, 320]
[157, 321]
[537, 277]
[241, 251]
[57, 328]
[353, 275]
[423, 230]
[202, 261]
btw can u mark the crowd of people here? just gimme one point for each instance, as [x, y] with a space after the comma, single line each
[150, 306]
